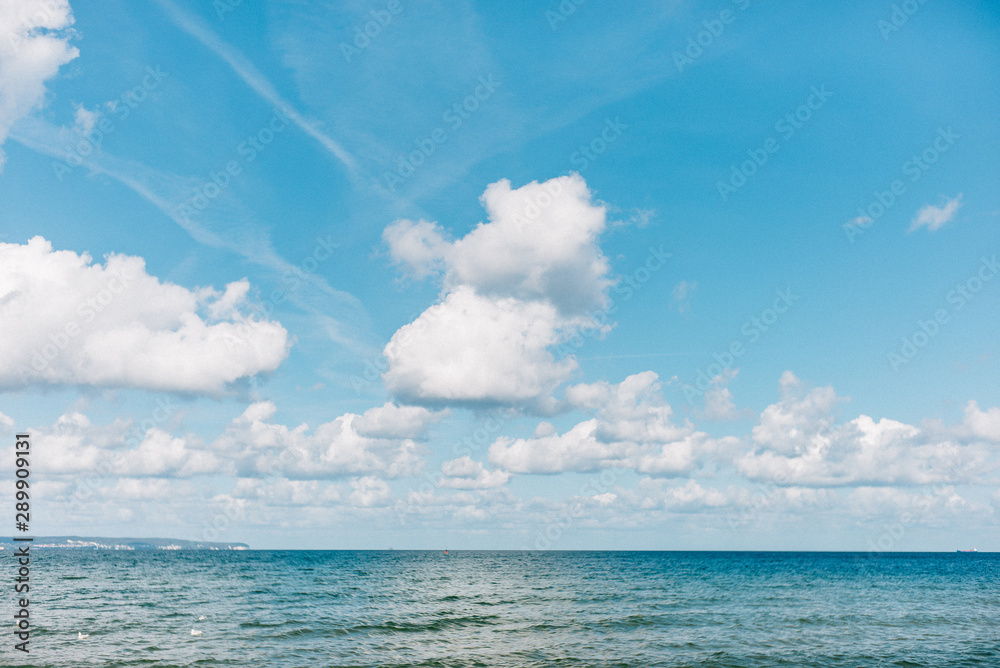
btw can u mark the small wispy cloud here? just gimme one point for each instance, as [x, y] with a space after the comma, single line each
[934, 217]
[681, 295]
[85, 120]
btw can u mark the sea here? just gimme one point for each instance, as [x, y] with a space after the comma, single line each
[272, 609]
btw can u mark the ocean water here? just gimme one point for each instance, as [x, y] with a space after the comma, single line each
[711, 609]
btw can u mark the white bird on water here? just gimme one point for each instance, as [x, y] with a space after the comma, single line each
[202, 618]
[82, 636]
[195, 632]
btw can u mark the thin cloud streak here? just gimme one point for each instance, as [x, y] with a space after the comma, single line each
[253, 78]
[43, 138]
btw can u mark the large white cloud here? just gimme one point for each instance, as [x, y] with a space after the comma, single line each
[160, 454]
[465, 473]
[552, 256]
[419, 246]
[982, 424]
[34, 44]
[541, 242]
[513, 288]
[254, 446]
[471, 348]
[392, 421]
[791, 425]
[652, 493]
[79, 323]
[74, 445]
[631, 428]
[798, 441]
[77, 447]
[251, 446]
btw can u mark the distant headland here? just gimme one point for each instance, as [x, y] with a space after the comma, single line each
[101, 543]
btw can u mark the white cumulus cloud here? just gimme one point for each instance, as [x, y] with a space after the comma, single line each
[34, 44]
[253, 445]
[719, 404]
[465, 473]
[471, 348]
[418, 246]
[6, 423]
[631, 428]
[799, 441]
[160, 454]
[513, 288]
[392, 421]
[541, 242]
[76, 322]
[75, 445]
[983, 424]
[370, 492]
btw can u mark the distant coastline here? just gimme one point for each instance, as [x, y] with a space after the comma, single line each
[104, 543]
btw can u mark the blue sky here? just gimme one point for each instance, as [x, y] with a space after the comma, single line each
[475, 278]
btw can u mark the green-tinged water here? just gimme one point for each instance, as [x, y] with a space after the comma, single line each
[278, 609]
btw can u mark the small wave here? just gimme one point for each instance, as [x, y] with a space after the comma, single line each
[435, 625]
